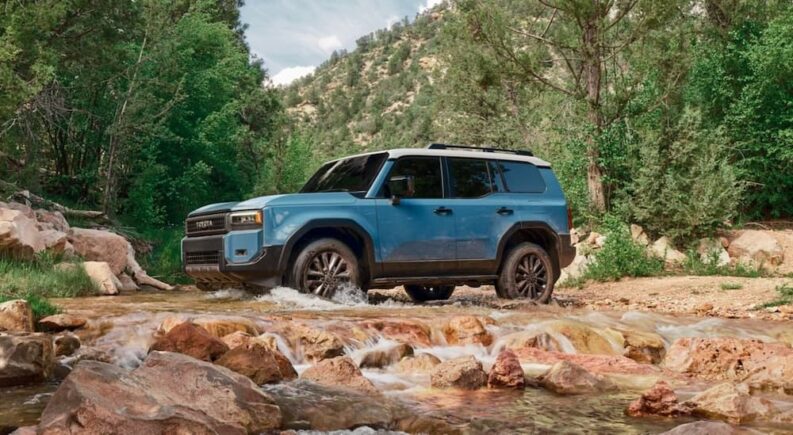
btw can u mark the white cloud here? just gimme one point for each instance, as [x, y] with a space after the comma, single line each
[329, 43]
[290, 74]
[429, 4]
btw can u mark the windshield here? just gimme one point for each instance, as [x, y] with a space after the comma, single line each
[354, 174]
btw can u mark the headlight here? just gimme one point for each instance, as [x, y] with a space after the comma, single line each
[246, 219]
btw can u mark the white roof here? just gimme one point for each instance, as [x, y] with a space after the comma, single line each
[400, 152]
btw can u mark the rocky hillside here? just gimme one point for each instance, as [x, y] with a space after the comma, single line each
[378, 95]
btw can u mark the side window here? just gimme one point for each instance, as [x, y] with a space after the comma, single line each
[469, 178]
[498, 181]
[426, 177]
[521, 177]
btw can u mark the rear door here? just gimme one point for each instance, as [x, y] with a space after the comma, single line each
[417, 236]
[526, 188]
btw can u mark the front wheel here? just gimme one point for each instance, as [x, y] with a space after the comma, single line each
[323, 267]
[527, 273]
[422, 293]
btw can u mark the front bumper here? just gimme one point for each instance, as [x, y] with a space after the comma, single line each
[204, 259]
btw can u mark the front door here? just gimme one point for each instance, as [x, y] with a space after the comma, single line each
[417, 235]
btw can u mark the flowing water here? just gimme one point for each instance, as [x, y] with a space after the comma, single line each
[122, 329]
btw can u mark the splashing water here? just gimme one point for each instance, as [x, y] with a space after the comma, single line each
[345, 297]
[229, 293]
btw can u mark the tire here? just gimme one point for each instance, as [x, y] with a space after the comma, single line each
[527, 273]
[421, 293]
[323, 266]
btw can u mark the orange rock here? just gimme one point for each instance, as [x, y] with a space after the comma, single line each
[339, 372]
[506, 371]
[192, 340]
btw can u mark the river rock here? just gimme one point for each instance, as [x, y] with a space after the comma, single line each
[533, 339]
[704, 428]
[168, 393]
[259, 363]
[412, 332]
[339, 372]
[421, 363]
[600, 364]
[16, 316]
[66, 344]
[730, 402]
[192, 340]
[506, 371]
[774, 374]
[25, 358]
[464, 372]
[216, 326]
[659, 400]
[19, 236]
[102, 276]
[466, 330]
[62, 322]
[51, 220]
[721, 357]
[100, 246]
[566, 377]
[316, 344]
[643, 347]
[757, 247]
[383, 358]
[237, 339]
[583, 337]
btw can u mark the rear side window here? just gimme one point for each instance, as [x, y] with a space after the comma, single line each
[426, 173]
[470, 178]
[521, 177]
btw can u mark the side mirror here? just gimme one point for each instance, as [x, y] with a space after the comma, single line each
[401, 186]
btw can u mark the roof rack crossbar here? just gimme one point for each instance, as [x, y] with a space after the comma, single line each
[443, 146]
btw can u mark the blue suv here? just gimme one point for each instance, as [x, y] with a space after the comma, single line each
[427, 219]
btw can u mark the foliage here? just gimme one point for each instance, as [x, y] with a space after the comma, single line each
[40, 306]
[731, 286]
[785, 297]
[40, 278]
[164, 262]
[709, 266]
[620, 256]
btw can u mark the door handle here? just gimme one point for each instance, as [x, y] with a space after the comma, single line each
[503, 211]
[442, 210]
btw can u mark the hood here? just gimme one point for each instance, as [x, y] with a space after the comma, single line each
[321, 198]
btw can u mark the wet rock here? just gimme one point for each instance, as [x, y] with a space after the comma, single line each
[411, 332]
[421, 363]
[51, 220]
[339, 372]
[190, 339]
[259, 363]
[594, 363]
[19, 237]
[721, 357]
[663, 248]
[583, 337]
[168, 393]
[102, 276]
[237, 339]
[466, 330]
[757, 247]
[506, 371]
[774, 374]
[524, 339]
[659, 400]
[62, 322]
[66, 344]
[25, 358]
[16, 316]
[426, 425]
[730, 402]
[643, 347]
[566, 377]
[317, 344]
[703, 428]
[216, 326]
[100, 246]
[382, 358]
[464, 372]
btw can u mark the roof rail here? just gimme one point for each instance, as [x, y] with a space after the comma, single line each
[443, 146]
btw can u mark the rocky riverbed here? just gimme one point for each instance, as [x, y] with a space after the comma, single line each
[232, 362]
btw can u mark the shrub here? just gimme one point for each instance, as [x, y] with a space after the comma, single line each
[695, 265]
[40, 306]
[165, 260]
[620, 256]
[785, 297]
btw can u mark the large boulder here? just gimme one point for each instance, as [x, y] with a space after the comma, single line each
[663, 248]
[419, 364]
[506, 371]
[98, 245]
[576, 268]
[51, 220]
[584, 338]
[168, 393]
[16, 316]
[731, 402]
[705, 428]
[62, 322]
[721, 357]
[102, 276]
[385, 357]
[643, 347]
[339, 372]
[261, 364]
[315, 344]
[774, 374]
[216, 326]
[412, 332]
[463, 372]
[566, 377]
[530, 339]
[602, 364]
[466, 330]
[19, 236]
[25, 358]
[660, 400]
[712, 249]
[192, 340]
[57, 242]
[757, 247]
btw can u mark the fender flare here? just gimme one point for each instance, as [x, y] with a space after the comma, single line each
[555, 247]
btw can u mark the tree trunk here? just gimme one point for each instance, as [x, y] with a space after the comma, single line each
[593, 73]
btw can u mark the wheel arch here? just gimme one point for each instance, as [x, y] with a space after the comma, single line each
[537, 232]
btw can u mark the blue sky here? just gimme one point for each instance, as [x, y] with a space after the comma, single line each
[294, 36]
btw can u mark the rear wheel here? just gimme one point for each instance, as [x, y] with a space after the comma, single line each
[323, 267]
[527, 273]
[423, 293]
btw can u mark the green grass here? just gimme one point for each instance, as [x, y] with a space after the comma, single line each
[40, 278]
[41, 307]
[785, 297]
[731, 286]
[620, 256]
[164, 262]
[695, 265]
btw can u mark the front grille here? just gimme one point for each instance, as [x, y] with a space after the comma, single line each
[206, 225]
[202, 257]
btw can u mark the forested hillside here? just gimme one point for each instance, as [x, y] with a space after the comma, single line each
[676, 115]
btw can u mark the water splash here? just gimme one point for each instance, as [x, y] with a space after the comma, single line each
[228, 294]
[345, 297]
